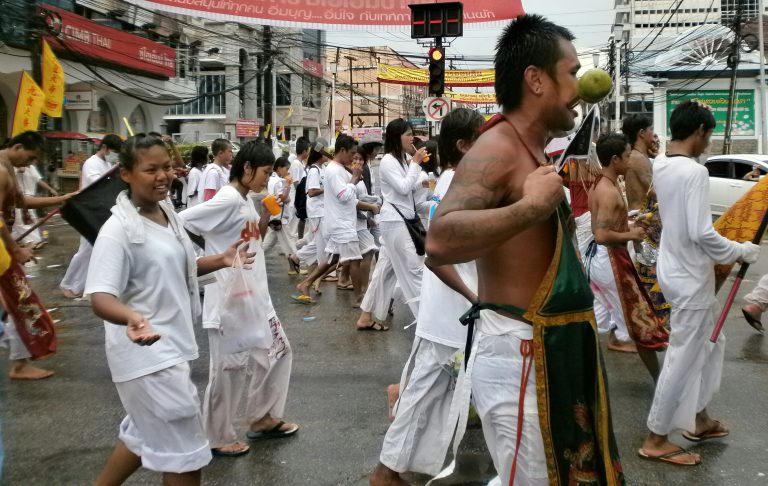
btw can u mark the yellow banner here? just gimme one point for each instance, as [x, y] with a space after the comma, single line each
[414, 76]
[53, 83]
[741, 222]
[472, 98]
[29, 104]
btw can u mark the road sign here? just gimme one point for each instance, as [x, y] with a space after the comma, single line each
[435, 109]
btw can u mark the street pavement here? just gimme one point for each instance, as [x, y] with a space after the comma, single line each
[60, 431]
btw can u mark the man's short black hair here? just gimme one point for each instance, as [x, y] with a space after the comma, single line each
[112, 142]
[461, 123]
[30, 140]
[529, 40]
[610, 145]
[302, 145]
[688, 117]
[344, 142]
[632, 124]
[219, 145]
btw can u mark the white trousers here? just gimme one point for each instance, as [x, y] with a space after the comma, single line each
[496, 381]
[19, 228]
[759, 294]
[603, 283]
[314, 250]
[280, 237]
[17, 350]
[163, 424]
[77, 272]
[381, 287]
[691, 373]
[418, 438]
[406, 263]
[266, 390]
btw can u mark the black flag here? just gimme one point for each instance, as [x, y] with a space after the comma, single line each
[91, 208]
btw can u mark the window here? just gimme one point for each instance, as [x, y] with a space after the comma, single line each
[283, 89]
[719, 168]
[742, 168]
[212, 101]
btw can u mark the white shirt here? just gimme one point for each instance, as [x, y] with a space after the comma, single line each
[397, 188]
[362, 191]
[93, 168]
[220, 221]
[315, 177]
[440, 306]
[689, 244]
[275, 186]
[213, 177]
[297, 172]
[340, 204]
[193, 180]
[28, 179]
[150, 279]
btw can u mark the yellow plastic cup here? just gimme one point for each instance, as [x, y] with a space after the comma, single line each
[270, 202]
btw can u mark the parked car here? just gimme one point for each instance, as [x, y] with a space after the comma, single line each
[726, 178]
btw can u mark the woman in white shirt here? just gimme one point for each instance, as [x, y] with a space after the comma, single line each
[399, 174]
[198, 159]
[279, 185]
[227, 215]
[145, 289]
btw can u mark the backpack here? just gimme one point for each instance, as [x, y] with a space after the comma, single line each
[300, 200]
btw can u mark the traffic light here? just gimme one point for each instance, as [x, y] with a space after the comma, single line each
[436, 71]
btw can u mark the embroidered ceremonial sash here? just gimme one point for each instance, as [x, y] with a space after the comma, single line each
[646, 270]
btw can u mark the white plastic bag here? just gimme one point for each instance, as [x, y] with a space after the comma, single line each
[244, 303]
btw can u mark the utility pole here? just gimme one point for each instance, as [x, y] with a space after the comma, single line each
[626, 78]
[733, 63]
[351, 92]
[761, 47]
[269, 86]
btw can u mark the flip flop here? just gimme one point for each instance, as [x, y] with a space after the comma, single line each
[709, 434]
[330, 279]
[667, 457]
[235, 453]
[752, 321]
[273, 433]
[374, 327]
[346, 287]
[303, 299]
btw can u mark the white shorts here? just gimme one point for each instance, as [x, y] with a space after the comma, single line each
[346, 251]
[366, 241]
[164, 425]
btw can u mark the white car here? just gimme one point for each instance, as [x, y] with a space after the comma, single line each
[726, 178]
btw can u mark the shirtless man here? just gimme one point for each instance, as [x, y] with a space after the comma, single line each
[502, 211]
[21, 151]
[618, 287]
[639, 131]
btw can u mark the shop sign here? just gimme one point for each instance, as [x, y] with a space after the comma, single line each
[247, 128]
[717, 100]
[79, 100]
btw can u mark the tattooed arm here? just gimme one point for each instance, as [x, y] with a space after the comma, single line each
[469, 223]
[606, 209]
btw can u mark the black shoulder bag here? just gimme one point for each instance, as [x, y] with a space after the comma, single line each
[415, 229]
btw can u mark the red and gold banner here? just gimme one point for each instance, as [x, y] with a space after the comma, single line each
[415, 76]
[29, 105]
[471, 98]
[359, 15]
[53, 83]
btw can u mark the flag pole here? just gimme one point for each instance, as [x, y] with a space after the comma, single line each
[38, 224]
[737, 282]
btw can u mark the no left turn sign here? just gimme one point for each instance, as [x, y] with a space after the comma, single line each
[435, 109]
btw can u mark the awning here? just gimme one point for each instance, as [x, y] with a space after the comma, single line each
[66, 136]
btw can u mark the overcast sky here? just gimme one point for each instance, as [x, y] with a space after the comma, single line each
[589, 20]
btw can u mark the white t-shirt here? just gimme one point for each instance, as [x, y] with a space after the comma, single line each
[689, 244]
[221, 221]
[440, 306]
[315, 178]
[297, 172]
[28, 179]
[193, 180]
[213, 177]
[340, 204]
[151, 279]
[275, 186]
[397, 188]
[93, 168]
[362, 191]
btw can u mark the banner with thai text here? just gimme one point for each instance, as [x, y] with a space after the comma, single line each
[359, 15]
[471, 98]
[455, 77]
[53, 83]
[29, 104]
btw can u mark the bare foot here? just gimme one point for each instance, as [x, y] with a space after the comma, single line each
[303, 289]
[753, 313]
[365, 319]
[384, 476]
[621, 346]
[232, 450]
[26, 371]
[393, 393]
[70, 294]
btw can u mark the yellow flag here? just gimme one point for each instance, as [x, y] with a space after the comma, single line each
[53, 83]
[29, 104]
[741, 221]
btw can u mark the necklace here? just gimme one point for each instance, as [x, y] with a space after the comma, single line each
[522, 141]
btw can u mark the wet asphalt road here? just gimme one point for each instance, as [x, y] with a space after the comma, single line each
[60, 431]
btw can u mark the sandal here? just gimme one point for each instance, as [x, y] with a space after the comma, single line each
[667, 458]
[717, 432]
[273, 433]
[303, 299]
[374, 327]
[234, 453]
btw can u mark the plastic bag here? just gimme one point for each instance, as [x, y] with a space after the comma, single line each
[245, 303]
